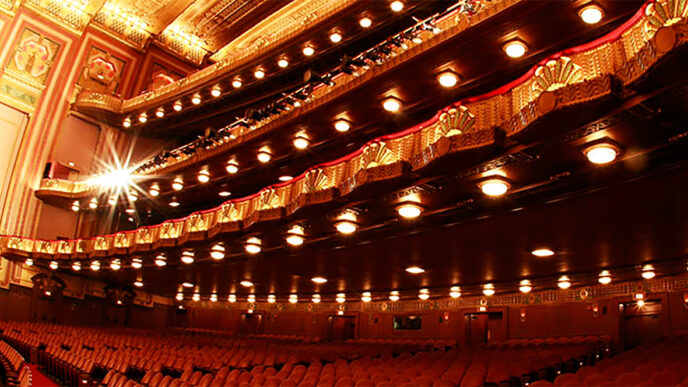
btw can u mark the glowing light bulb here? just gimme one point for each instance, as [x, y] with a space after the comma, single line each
[341, 298]
[396, 6]
[178, 184]
[259, 73]
[295, 236]
[246, 283]
[216, 91]
[319, 280]
[177, 106]
[160, 112]
[293, 298]
[54, 265]
[95, 265]
[252, 245]
[283, 62]
[236, 83]
[28, 262]
[264, 155]
[648, 272]
[271, 298]
[217, 252]
[366, 297]
[160, 261]
[601, 153]
[213, 297]
[494, 186]
[196, 99]
[365, 22]
[136, 263]
[448, 79]
[232, 167]
[308, 50]
[143, 118]
[342, 125]
[409, 210]
[394, 295]
[415, 270]
[232, 298]
[488, 290]
[154, 190]
[515, 49]
[115, 264]
[203, 176]
[301, 141]
[455, 292]
[180, 297]
[76, 266]
[564, 282]
[424, 294]
[127, 122]
[391, 104]
[525, 286]
[316, 299]
[591, 14]
[335, 37]
[188, 257]
[542, 252]
[605, 278]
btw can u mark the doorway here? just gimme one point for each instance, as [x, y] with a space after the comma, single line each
[481, 327]
[340, 328]
[251, 323]
[641, 322]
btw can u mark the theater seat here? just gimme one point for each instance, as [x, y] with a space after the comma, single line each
[541, 383]
[567, 380]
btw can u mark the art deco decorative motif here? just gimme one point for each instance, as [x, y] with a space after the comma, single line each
[556, 74]
[455, 121]
[375, 154]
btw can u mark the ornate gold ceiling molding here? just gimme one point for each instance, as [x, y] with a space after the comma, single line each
[290, 20]
[449, 26]
[71, 14]
[626, 54]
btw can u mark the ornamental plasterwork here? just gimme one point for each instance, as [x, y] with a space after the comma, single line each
[513, 118]
[455, 121]
[197, 223]
[375, 154]
[664, 13]
[556, 74]
[144, 236]
[315, 180]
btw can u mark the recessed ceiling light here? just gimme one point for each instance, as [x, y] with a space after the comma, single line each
[424, 294]
[605, 278]
[253, 245]
[177, 106]
[301, 141]
[179, 297]
[136, 263]
[154, 190]
[264, 155]
[308, 50]
[232, 167]
[341, 298]
[232, 298]
[187, 285]
[213, 297]
[591, 14]
[203, 176]
[216, 91]
[283, 62]
[178, 183]
[648, 272]
[217, 251]
[365, 22]
[488, 290]
[335, 37]
[602, 151]
[285, 178]
[196, 297]
[564, 282]
[494, 185]
[160, 260]
[54, 265]
[366, 297]
[224, 194]
[259, 73]
[127, 122]
[95, 265]
[271, 298]
[448, 78]
[342, 125]
[515, 49]
[295, 235]
[196, 99]
[525, 286]
[319, 280]
[293, 298]
[160, 112]
[542, 252]
[396, 5]
[138, 284]
[409, 209]
[415, 270]
[346, 226]
[391, 104]
[174, 203]
[188, 257]
[115, 264]
[28, 262]
[246, 283]
[76, 266]
[236, 83]
[143, 117]
[394, 295]
[455, 292]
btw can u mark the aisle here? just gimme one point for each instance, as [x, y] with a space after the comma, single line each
[39, 379]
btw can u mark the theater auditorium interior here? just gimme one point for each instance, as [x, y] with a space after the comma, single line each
[343, 193]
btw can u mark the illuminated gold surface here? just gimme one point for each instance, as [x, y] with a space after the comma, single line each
[513, 110]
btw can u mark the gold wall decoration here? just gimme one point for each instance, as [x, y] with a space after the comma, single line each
[375, 154]
[556, 74]
[455, 121]
[73, 14]
[28, 69]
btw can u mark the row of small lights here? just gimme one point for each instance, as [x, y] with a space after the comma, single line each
[516, 48]
[525, 286]
[260, 71]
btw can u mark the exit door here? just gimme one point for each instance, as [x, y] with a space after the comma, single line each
[340, 328]
[641, 322]
[482, 328]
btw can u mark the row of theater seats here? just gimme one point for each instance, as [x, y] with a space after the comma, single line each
[16, 372]
[497, 365]
[661, 363]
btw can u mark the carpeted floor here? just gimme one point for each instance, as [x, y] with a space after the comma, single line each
[39, 379]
